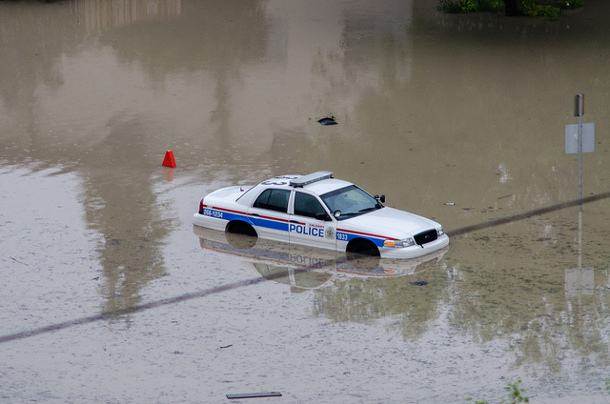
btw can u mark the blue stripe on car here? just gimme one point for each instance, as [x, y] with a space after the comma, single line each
[279, 224]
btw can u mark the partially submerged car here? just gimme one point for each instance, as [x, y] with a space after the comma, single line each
[305, 267]
[318, 210]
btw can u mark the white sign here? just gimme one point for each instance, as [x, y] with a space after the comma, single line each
[588, 138]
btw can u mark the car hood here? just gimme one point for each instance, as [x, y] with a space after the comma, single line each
[390, 222]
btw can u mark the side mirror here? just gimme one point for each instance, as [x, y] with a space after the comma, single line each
[380, 198]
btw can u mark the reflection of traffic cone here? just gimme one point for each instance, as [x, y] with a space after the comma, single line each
[169, 161]
[169, 172]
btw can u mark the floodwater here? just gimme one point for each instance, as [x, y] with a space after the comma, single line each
[108, 294]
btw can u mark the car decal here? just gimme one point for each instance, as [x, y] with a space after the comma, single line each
[254, 219]
[311, 230]
[348, 235]
[271, 222]
[344, 235]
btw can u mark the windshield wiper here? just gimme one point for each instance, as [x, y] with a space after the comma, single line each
[349, 214]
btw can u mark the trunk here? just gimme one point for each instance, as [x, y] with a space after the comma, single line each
[512, 7]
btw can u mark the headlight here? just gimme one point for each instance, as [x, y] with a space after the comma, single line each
[406, 242]
[440, 232]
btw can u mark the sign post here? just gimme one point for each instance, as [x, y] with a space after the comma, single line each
[580, 139]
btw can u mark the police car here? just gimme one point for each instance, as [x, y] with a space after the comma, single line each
[318, 210]
[305, 264]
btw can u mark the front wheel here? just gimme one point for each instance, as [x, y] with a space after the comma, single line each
[363, 255]
[362, 247]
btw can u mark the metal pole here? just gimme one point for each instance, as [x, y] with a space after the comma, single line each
[579, 110]
[580, 163]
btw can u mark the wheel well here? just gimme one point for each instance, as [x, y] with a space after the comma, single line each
[362, 246]
[241, 227]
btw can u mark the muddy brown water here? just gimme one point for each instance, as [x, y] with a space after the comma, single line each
[109, 295]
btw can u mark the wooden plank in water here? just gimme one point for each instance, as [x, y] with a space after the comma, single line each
[254, 395]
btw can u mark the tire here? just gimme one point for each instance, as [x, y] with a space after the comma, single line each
[362, 255]
[240, 227]
[241, 235]
[362, 247]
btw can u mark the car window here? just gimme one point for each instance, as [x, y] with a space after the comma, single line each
[350, 201]
[307, 205]
[273, 199]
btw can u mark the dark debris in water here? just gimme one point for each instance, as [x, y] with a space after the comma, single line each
[327, 121]
[419, 283]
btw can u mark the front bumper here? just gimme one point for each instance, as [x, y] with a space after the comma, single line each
[416, 250]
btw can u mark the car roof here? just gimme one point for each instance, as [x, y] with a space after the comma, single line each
[324, 186]
[318, 183]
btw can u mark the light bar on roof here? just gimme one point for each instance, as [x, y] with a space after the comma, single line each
[310, 178]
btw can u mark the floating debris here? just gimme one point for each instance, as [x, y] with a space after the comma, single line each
[254, 395]
[327, 121]
[449, 203]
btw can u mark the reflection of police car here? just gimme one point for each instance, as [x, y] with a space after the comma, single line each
[320, 211]
[305, 267]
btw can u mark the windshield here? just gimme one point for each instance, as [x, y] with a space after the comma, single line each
[349, 202]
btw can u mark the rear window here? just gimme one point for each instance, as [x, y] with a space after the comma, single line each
[273, 199]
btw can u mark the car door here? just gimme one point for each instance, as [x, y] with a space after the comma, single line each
[269, 214]
[310, 223]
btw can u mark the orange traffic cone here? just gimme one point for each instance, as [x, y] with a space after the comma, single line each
[169, 160]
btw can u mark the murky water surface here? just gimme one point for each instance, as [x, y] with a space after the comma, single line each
[108, 294]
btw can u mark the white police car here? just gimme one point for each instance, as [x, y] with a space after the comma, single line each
[320, 211]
